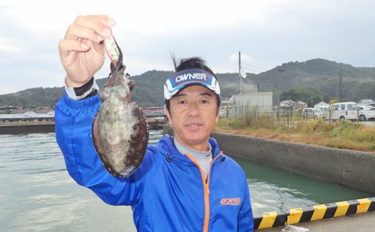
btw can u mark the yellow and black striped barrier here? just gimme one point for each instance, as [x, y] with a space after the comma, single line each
[316, 212]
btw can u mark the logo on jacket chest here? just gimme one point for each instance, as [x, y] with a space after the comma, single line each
[230, 201]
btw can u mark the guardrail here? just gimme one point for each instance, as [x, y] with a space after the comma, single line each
[314, 213]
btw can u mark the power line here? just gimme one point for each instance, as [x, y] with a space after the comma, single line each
[248, 69]
[253, 66]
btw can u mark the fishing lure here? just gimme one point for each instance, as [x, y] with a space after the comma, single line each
[112, 49]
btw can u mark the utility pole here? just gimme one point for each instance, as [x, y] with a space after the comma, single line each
[239, 72]
[340, 84]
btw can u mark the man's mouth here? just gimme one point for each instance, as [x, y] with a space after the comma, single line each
[193, 125]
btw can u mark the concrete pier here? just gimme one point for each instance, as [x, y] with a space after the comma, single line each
[27, 128]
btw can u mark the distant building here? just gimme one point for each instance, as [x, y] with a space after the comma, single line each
[247, 104]
[365, 101]
[19, 111]
[288, 104]
[321, 104]
[27, 115]
[301, 104]
[43, 109]
[6, 109]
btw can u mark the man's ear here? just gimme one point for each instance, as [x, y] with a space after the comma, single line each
[168, 115]
[217, 115]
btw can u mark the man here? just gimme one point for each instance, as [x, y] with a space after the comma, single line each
[185, 183]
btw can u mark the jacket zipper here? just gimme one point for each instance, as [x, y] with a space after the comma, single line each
[206, 189]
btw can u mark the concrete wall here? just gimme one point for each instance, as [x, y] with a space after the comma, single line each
[350, 168]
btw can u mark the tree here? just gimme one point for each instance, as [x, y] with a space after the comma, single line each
[307, 94]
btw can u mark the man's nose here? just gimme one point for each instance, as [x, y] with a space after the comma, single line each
[193, 109]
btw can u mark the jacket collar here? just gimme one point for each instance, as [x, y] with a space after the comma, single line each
[168, 148]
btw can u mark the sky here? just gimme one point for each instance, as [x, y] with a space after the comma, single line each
[268, 33]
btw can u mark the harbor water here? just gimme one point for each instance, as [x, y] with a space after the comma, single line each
[37, 193]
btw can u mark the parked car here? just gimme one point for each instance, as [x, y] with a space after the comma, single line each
[312, 113]
[370, 105]
[325, 110]
[366, 113]
[344, 110]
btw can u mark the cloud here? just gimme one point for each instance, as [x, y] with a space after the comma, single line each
[267, 33]
[7, 46]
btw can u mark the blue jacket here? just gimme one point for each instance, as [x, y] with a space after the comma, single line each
[167, 192]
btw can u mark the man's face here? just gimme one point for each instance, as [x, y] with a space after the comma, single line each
[193, 115]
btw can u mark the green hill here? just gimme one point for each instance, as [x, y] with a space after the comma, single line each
[323, 75]
[318, 74]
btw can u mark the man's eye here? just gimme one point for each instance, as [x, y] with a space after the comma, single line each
[181, 102]
[204, 101]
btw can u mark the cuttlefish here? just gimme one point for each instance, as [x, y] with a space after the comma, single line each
[120, 130]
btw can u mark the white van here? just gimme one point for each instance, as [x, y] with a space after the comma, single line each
[344, 110]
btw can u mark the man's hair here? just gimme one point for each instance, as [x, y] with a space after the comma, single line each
[190, 63]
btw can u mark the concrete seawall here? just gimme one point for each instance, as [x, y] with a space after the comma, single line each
[354, 169]
[27, 128]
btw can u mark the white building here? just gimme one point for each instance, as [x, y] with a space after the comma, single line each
[365, 101]
[246, 104]
[321, 104]
[287, 104]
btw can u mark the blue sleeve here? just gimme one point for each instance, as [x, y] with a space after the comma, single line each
[73, 121]
[245, 217]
